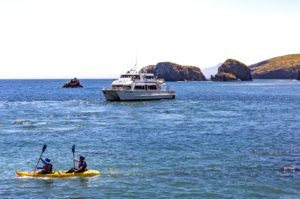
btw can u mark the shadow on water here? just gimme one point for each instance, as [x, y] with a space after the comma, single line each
[83, 182]
[48, 184]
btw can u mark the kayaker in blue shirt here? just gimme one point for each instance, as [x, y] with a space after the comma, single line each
[82, 166]
[47, 168]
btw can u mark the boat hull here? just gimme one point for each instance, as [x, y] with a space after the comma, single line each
[129, 95]
[57, 174]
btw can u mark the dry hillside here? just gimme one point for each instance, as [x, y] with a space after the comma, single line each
[282, 67]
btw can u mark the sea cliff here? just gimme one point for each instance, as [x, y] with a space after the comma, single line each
[232, 70]
[174, 72]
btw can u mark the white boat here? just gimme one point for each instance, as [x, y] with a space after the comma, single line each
[137, 86]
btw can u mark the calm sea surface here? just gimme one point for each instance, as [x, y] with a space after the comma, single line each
[215, 140]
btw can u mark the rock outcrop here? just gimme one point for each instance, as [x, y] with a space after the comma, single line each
[223, 77]
[232, 70]
[174, 72]
[298, 77]
[289, 169]
[282, 67]
[74, 83]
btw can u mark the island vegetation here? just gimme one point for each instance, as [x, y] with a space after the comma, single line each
[282, 67]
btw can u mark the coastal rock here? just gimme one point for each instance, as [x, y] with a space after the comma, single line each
[289, 169]
[74, 83]
[282, 67]
[298, 77]
[232, 70]
[223, 77]
[174, 72]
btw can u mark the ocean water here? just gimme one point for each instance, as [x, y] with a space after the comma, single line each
[215, 140]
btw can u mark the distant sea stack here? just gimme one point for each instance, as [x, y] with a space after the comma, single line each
[282, 67]
[223, 77]
[298, 77]
[74, 83]
[232, 70]
[174, 72]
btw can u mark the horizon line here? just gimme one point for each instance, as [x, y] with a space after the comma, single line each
[50, 78]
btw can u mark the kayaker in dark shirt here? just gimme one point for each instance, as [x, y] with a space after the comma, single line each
[47, 168]
[82, 166]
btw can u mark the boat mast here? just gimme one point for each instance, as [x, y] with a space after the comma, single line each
[135, 66]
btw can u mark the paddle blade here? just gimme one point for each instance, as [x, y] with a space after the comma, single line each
[73, 148]
[44, 148]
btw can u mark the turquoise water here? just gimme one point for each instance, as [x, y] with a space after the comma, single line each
[215, 140]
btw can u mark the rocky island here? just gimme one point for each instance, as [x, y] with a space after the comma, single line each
[232, 70]
[174, 72]
[74, 83]
[282, 67]
[223, 77]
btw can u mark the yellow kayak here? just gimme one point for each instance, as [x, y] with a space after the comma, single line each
[59, 174]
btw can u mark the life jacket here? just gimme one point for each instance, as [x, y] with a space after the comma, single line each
[48, 168]
[83, 165]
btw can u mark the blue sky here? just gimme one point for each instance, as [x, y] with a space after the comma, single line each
[99, 39]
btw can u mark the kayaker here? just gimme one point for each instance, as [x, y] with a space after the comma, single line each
[82, 166]
[47, 168]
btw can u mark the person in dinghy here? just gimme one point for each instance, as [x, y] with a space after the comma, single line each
[47, 168]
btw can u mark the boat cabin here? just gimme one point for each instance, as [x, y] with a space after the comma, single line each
[133, 80]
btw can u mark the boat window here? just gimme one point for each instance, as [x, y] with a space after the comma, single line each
[135, 77]
[152, 87]
[131, 76]
[149, 76]
[139, 87]
[121, 87]
[117, 86]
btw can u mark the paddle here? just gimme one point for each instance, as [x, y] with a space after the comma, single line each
[43, 150]
[73, 151]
